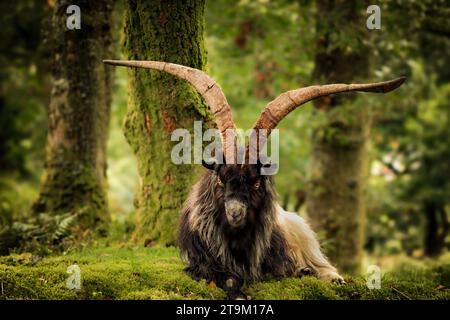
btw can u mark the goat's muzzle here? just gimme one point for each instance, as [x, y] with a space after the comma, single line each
[236, 213]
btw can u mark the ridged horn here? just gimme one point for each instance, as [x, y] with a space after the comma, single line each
[205, 86]
[288, 101]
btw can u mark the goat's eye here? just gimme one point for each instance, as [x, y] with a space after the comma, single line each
[257, 184]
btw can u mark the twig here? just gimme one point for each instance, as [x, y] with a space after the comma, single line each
[403, 294]
[2, 287]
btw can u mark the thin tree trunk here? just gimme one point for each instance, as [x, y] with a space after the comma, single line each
[338, 163]
[171, 31]
[79, 111]
[436, 229]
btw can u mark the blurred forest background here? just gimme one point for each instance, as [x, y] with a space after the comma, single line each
[255, 50]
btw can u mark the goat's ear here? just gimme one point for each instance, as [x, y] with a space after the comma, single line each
[211, 164]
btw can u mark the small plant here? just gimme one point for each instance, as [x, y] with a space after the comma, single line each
[43, 234]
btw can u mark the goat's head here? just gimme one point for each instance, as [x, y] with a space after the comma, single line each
[240, 190]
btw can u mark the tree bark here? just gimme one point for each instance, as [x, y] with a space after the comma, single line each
[170, 31]
[338, 162]
[75, 171]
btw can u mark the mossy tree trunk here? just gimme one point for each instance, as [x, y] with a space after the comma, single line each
[75, 171]
[171, 31]
[338, 162]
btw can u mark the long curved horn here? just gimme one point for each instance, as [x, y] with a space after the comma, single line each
[205, 85]
[288, 101]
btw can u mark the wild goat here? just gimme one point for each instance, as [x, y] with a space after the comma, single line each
[232, 228]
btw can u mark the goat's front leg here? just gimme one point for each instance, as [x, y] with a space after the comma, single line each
[231, 284]
[309, 258]
[316, 264]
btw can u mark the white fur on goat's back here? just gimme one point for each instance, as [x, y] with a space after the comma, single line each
[301, 240]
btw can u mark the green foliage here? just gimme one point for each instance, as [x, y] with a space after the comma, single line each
[16, 195]
[157, 273]
[122, 168]
[410, 138]
[42, 235]
[23, 86]
[417, 160]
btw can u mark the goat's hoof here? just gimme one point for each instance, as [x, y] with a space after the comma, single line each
[239, 296]
[333, 277]
[339, 280]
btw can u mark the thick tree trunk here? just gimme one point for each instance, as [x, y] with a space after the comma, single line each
[171, 31]
[338, 163]
[75, 172]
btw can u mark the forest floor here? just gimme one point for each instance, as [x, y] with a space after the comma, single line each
[157, 273]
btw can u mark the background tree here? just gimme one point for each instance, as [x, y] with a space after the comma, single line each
[338, 157]
[79, 111]
[171, 31]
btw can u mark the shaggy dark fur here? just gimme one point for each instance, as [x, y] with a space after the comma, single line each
[219, 252]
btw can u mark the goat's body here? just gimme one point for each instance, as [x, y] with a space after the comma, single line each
[278, 243]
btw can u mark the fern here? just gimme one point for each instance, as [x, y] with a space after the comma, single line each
[63, 224]
[44, 231]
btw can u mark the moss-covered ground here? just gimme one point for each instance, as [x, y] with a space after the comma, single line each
[157, 273]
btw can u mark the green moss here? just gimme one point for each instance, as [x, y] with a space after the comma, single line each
[69, 185]
[157, 273]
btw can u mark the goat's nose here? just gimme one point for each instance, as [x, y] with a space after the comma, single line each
[235, 208]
